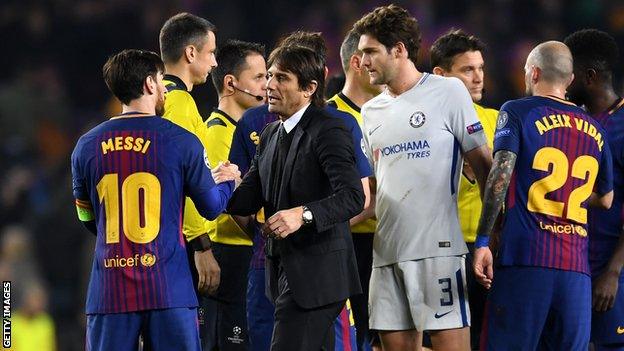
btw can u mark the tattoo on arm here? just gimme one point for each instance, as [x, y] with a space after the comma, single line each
[495, 190]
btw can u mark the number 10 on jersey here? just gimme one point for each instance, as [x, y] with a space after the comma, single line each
[141, 219]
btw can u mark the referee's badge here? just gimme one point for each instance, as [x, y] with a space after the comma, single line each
[417, 119]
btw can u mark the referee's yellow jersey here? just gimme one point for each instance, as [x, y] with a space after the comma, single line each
[344, 104]
[221, 127]
[469, 197]
[180, 108]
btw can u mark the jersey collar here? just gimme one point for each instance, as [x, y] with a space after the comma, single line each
[216, 110]
[177, 83]
[348, 101]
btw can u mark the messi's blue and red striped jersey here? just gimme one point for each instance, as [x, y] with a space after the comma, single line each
[135, 172]
[562, 157]
[605, 226]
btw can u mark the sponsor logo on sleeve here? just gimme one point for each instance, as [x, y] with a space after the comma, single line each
[473, 128]
[502, 133]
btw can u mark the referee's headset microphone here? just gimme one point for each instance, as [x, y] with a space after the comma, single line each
[246, 91]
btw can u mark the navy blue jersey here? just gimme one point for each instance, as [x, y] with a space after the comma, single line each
[135, 173]
[562, 158]
[605, 226]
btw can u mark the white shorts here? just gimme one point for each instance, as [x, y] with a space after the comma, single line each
[427, 294]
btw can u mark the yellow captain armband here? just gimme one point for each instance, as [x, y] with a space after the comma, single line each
[84, 210]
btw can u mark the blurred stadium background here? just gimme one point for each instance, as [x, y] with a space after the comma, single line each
[51, 91]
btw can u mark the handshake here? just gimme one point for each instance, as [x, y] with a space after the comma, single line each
[226, 171]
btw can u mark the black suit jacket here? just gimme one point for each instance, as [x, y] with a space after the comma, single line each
[319, 172]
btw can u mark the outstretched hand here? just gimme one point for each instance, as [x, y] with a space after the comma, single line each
[225, 172]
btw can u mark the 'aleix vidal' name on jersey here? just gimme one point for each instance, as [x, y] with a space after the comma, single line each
[551, 122]
[414, 149]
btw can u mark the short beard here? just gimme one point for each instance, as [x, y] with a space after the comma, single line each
[160, 109]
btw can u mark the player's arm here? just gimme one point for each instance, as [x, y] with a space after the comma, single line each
[247, 199]
[84, 209]
[605, 286]
[238, 153]
[494, 195]
[506, 148]
[365, 172]
[601, 201]
[369, 186]
[480, 161]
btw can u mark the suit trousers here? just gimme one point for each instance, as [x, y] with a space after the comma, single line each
[302, 329]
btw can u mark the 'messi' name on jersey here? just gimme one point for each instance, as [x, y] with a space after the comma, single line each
[125, 144]
[547, 123]
[414, 149]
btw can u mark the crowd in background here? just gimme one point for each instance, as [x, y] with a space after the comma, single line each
[51, 91]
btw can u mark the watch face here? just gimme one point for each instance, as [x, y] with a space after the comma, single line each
[307, 216]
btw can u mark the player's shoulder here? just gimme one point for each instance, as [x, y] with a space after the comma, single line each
[220, 119]
[380, 101]
[254, 113]
[518, 105]
[436, 82]
[346, 117]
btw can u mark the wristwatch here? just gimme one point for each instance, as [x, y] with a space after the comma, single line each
[307, 216]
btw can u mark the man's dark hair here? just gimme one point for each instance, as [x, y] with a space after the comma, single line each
[232, 58]
[125, 73]
[305, 64]
[390, 25]
[180, 31]
[593, 49]
[349, 48]
[311, 40]
[453, 43]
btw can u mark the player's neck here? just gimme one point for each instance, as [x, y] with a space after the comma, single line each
[549, 90]
[230, 107]
[356, 94]
[601, 100]
[407, 77]
[139, 107]
[181, 71]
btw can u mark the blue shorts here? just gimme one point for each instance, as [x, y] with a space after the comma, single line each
[260, 312]
[165, 329]
[344, 330]
[608, 327]
[531, 308]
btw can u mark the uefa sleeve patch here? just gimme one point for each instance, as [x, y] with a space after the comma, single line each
[473, 128]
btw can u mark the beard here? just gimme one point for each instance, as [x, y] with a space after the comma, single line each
[160, 108]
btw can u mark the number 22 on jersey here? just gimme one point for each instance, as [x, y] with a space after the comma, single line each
[141, 220]
[584, 167]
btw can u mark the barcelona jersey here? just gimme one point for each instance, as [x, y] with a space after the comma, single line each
[605, 226]
[135, 173]
[562, 157]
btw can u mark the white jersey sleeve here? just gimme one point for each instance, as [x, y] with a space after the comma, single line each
[462, 117]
